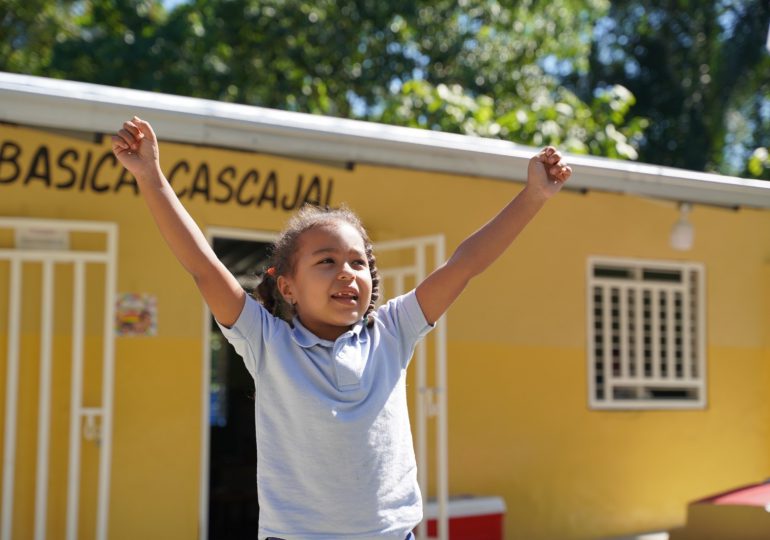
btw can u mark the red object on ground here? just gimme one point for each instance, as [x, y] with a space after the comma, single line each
[751, 495]
[470, 518]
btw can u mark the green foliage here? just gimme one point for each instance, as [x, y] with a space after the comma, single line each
[485, 72]
[699, 71]
[29, 29]
[115, 43]
[557, 118]
[759, 163]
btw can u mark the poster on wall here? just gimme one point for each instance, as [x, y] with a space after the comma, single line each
[136, 315]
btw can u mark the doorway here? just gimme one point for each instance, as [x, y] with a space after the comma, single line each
[232, 506]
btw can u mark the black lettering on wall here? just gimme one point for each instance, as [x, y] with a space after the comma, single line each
[39, 167]
[269, 190]
[97, 170]
[95, 175]
[85, 171]
[224, 178]
[64, 157]
[252, 175]
[126, 179]
[284, 201]
[328, 200]
[172, 176]
[313, 193]
[9, 153]
[201, 182]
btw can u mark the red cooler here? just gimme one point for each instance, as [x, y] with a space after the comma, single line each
[470, 518]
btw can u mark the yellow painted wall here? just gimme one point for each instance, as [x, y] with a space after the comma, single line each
[520, 426]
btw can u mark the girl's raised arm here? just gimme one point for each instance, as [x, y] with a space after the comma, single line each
[136, 147]
[545, 176]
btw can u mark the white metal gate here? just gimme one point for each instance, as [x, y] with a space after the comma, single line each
[60, 278]
[402, 265]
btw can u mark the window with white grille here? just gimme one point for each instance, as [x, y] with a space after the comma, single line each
[646, 343]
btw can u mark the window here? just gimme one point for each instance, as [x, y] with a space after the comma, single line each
[646, 334]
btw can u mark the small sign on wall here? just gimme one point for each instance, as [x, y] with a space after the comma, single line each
[136, 315]
[42, 238]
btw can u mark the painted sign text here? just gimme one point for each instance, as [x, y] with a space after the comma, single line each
[98, 171]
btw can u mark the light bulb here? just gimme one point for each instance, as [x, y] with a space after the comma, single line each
[682, 233]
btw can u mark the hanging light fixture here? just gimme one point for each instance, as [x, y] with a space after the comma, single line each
[683, 233]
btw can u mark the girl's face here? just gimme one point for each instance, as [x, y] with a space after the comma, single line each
[331, 285]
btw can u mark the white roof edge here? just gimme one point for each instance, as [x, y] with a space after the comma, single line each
[54, 103]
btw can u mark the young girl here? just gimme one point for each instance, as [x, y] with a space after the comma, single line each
[334, 445]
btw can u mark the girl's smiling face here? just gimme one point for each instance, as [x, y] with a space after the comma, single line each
[330, 284]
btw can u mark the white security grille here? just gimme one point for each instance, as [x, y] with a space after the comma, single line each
[646, 334]
[90, 272]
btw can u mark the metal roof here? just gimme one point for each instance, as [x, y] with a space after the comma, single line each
[60, 104]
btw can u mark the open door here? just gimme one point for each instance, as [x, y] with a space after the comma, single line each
[229, 508]
[56, 333]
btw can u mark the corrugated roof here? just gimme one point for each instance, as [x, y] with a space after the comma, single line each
[53, 103]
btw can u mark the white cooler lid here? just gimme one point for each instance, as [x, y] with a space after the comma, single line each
[467, 506]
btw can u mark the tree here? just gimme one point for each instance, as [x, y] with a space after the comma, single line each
[29, 29]
[698, 70]
[494, 69]
[118, 43]
[298, 55]
[481, 62]
[680, 83]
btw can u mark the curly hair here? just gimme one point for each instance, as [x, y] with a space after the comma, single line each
[284, 248]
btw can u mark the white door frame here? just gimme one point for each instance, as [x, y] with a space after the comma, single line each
[78, 413]
[431, 401]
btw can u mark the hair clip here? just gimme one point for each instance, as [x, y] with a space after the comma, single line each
[271, 271]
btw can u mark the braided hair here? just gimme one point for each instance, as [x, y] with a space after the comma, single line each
[281, 260]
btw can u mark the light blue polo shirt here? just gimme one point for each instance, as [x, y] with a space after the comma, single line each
[335, 458]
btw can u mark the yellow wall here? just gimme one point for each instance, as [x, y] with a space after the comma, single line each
[520, 426]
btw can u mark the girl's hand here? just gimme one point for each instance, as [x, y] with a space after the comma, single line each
[547, 172]
[136, 147]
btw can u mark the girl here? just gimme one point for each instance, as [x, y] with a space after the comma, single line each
[334, 445]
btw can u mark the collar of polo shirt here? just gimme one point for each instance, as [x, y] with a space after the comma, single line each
[305, 338]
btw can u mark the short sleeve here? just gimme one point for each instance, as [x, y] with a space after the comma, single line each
[404, 317]
[247, 335]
